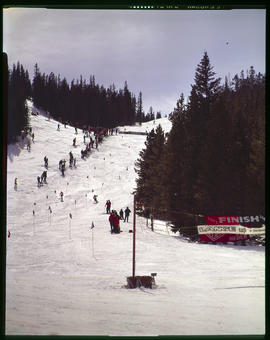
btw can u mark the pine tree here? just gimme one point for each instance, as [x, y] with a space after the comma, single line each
[18, 91]
[140, 114]
[148, 182]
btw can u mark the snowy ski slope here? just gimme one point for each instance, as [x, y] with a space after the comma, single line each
[64, 278]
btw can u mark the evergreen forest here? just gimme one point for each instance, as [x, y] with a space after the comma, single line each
[80, 104]
[212, 161]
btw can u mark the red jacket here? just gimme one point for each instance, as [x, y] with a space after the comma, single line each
[114, 219]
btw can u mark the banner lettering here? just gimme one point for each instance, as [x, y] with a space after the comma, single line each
[229, 229]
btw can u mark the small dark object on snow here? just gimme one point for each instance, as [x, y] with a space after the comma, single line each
[138, 281]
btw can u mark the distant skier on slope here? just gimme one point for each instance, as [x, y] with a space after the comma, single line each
[111, 218]
[38, 181]
[70, 159]
[95, 198]
[44, 177]
[108, 206]
[46, 162]
[63, 168]
[127, 212]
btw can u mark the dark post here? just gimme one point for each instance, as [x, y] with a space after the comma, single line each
[134, 230]
[3, 199]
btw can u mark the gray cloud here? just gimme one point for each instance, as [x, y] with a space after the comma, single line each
[155, 51]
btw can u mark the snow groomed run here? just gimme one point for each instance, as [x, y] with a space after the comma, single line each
[66, 272]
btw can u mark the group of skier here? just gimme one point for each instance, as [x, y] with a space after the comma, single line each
[42, 179]
[99, 134]
[114, 218]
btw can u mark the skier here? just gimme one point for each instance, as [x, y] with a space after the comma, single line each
[46, 162]
[38, 181]
[15, 183]
[58, 127]
[111, 219]
[95, 198]
[62, 195]
[44, 177]
[92, 142]
[121, 213]
[70, 155]
[70, 159]
[127, 212]
[108, 206]
[116, 224]
[63, 169]
[33, 136]
[74, 141]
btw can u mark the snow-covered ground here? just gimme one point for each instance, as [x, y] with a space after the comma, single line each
[65, 278]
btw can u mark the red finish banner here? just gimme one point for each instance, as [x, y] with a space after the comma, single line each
[222, 220]
[234, 220]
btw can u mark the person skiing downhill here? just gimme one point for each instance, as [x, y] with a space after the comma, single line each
[95, 198]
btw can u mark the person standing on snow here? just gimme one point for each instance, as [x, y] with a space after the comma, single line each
[108, 206]
[121, 213]
[111, 220]
[127, 212]
[44, 177]
[46, 162]
[38, 181]
[63, 169]
[116, 224]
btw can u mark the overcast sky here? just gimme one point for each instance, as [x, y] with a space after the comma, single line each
[155, 51]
